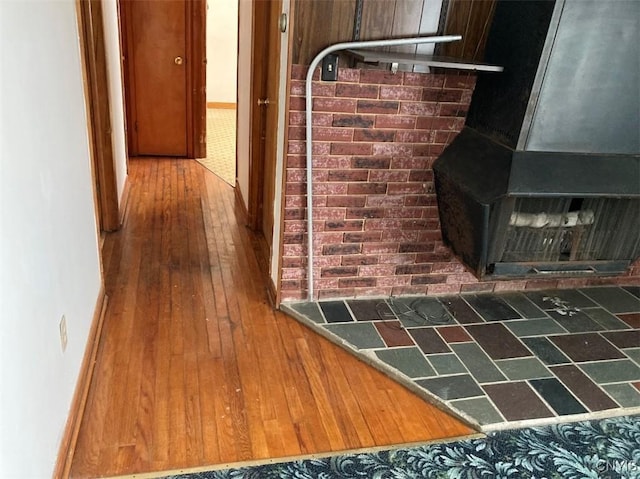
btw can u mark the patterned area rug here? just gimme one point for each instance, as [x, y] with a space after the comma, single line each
[221, 144]
[607, 449]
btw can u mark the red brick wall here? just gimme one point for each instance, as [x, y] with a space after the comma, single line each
[376, 228]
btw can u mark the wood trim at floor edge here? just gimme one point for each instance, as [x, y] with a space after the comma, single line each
[81, 393]
[262, 249]
[221, 105]
[240, 202]
[272, 293]
[124, 200]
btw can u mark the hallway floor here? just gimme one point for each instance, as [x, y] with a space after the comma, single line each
[500, 360]
[195, 368]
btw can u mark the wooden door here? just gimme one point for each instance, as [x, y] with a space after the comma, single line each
[164, 76]
[264, 118]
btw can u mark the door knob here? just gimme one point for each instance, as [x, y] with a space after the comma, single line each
[178, 60]
[263, 102]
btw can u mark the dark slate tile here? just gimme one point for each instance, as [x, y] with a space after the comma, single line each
[560, 299]
[534, 327]
[360, 335]
[545, 350]
[523, 368]
[491, 307]
[420, 311]
[632, 319]
[624, 339]
[480, 409]
[310, 310]
[428, 340]
[478, 363]
[557, 396]
[409, 361]
[605, 319]
[517, 401]
[523, 305]
[393, 333]
[370, 310]
[634, 290]
[407, 316]
[612, 371]
[497, 341]
[460, 310]
[454, 334]
[625, 394]
[583, 388]
[575, 322]
[634, 354]
[452, 387]
[433, 310]
[446, 364]
[335, 311]
[586, 347]
[614, 299]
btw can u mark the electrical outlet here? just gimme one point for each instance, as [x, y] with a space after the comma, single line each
[63, 333]
[329, 68]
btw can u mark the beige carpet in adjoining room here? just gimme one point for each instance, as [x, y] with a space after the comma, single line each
[221, 144]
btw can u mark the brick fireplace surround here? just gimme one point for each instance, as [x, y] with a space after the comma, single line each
[376, 227]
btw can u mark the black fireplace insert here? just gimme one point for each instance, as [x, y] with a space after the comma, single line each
[519, 213]
[545, 176]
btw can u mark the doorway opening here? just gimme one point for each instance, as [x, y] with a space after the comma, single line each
[222, 91]
[221, 143]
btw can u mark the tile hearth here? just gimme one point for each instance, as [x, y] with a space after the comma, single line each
[499, 360]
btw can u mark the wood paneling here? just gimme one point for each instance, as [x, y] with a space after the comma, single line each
[471, 19]
[406, 18]
[194, 368]
[319, 24]
[377, 19]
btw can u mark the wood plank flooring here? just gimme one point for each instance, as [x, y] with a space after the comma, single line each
[195, 368]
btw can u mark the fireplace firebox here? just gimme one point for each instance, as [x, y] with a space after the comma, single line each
[544, 179]
[529, 213]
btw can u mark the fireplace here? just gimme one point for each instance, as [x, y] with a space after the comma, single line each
[545, 177]
[509, 213]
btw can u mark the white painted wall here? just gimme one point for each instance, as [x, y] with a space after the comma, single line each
[222, 50]
[245, 13]
[116, 95]
[49, 263]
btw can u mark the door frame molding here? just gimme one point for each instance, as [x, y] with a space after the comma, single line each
[197, 78]
[196, 66]
[258, 85]
[91, 32]
[270, 253]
